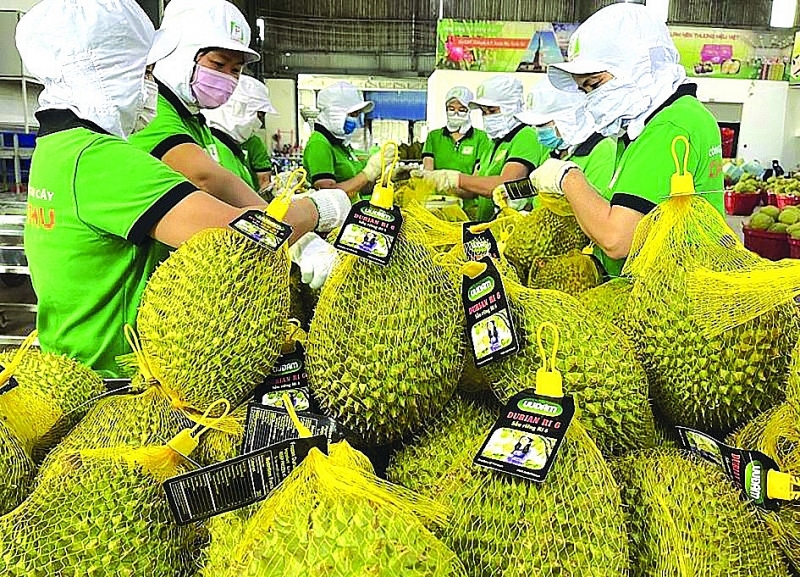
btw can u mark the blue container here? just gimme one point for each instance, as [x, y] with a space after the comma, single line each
[24, 140]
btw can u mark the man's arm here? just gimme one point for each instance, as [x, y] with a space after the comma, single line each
[207, 175]
[352, 186]
[427, 163]
[610, 227]
[471, 186]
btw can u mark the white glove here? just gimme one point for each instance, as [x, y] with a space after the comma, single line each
[315, 257]
[378, 164]
[333, 206]
[501, 199]
[547, 178]
[443, 181]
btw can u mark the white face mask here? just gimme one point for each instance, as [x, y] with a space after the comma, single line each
[498, 125]
[457, 121]
[149, 108]
[615, 103]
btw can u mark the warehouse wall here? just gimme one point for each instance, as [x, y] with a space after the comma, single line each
[12, 110]
[283, 95]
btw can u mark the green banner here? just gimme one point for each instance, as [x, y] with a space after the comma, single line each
[495, 46]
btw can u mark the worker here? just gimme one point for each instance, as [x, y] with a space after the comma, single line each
[624, 59]
[255, 150]
[99, 209]
[328, 157]
[565, 128]
[235, 123]
[514, 154]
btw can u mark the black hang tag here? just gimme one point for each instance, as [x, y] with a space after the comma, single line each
[289, 372]
[525, 440]
[262, 229]
[10, 384]
[237, 482]
[747, 469]
[490, 326]
[266, 426]
[370, 232]
[519, 189]
[479, 244]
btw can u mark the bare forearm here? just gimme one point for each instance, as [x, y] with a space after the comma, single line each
[303, 217]
[231, 189]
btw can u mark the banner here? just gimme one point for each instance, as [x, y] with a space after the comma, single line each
[794, 68]
[495, 46]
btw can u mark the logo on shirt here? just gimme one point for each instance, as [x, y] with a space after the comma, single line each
[715, 151]
[468, 150]
[40, 194]
[39, 218]
[212, 152]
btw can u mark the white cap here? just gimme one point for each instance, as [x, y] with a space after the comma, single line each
[461, 93]
[344, 97]
[503, 90]
[254, 94]
[611, 39]
[238, 117]
[164, 43]
[90, 57]
[547, 104]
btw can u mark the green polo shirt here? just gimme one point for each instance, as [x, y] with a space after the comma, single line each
[255, 151]
[642, 178]
[232, 157]
[92, 201]
[327, 157]
[462, 156]
[174, 125]
[520, 145]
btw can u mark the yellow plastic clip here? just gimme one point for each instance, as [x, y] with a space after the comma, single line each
[588, 249]
[783, 486]
[548, 382]
[682, 182]
[187, 440]
[8, 371]
[301, 428]
[294, 334]
[278, 208]
[383, 191]
[473, 269]
[141, 357]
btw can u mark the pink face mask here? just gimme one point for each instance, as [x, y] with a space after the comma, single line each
[211, 88]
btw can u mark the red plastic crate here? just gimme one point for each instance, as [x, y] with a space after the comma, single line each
[794, 247]
[771, 245]
[741, 204]
[784, 200]
[772, 198]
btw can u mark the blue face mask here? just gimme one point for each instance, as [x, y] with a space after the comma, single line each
[350, 125]
[548, 137]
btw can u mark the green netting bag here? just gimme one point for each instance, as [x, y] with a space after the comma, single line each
[212, 317]
[598, 364]
[686, 518]
[331, 517]
[386, 345]
[18, 470]
[541, 233]
[572, 273]
[572, 524]
[53, 394]
[776, 433]
[609, 300]
[100, 512]
[703, 379]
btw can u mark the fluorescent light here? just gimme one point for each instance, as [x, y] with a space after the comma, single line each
[660, 8]
[783, 13]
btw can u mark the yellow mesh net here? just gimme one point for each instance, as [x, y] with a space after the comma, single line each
[686, 518]
[386, 345]
[508, 527]
[99, 513]
[212, 317]
[609, 300]
[572, 273]
[18, 470]
[713, 382]
[333, 518]
[776, 433]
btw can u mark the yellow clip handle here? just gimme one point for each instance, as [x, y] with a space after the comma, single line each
[783, 486]
[187, 440]
[8, 371]
[301, 428]
[473, 268]
[278, 208]
[548, 382]
[588, 249]
[383, 191]
[682, 182]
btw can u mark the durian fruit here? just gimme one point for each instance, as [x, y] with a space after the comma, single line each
[572, 273]
[598, 365]
[212, 317]
[225, 533]
[54, 393]
[386, 346]
[776, 433]
[297, 304]
[99, 513]
[542, 233]
[329, 518]
[221, 445]
[571, 524]
[18, 470]
[686, 518]
[609, 300]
